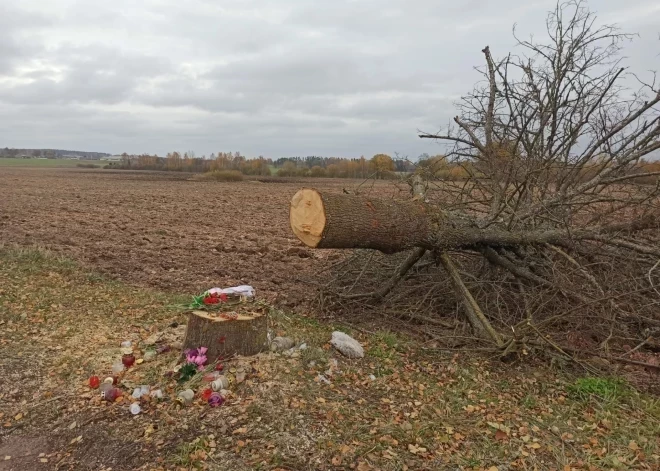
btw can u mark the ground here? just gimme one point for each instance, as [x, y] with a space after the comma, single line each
[65, 311]
[163, 230]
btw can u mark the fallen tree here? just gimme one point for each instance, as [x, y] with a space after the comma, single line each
[328, 221]
[553, 215]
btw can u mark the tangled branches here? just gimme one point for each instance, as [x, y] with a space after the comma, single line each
[554, 228]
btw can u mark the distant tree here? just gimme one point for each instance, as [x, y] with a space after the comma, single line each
[317, 171]
[381, 164]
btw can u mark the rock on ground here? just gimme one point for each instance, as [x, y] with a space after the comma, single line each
[347, 345]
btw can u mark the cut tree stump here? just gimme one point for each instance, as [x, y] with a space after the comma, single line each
[246, 335]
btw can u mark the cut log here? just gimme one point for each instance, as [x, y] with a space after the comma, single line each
[347, 221]
[328, 221]
[224, 337]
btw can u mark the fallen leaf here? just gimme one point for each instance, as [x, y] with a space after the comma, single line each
[44, 460]
[363, 466]
[239, 431]
[493, 468]
[414, 449]
[500, 435]
[336, 460]
[633, 445]
[18, 416]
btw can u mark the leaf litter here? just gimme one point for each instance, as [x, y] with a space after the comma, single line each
[400, 407]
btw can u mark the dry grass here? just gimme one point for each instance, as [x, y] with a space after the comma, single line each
[421, 409]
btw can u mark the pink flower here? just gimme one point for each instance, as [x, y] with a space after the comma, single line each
[197, 357]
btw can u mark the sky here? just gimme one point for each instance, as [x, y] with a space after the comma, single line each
[287, 78]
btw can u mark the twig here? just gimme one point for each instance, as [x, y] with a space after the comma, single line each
[651, 279]
[473, 311]
[644, 342]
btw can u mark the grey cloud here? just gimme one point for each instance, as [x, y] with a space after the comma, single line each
[91, 74]
[291, 77]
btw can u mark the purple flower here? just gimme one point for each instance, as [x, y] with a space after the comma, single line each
[191, 352]
[197, 356]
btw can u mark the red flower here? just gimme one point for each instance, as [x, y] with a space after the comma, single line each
[211, 300]
[223, 297]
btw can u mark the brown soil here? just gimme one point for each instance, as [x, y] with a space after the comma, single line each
[163, 230]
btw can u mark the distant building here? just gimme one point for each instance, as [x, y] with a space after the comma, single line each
[112, 158]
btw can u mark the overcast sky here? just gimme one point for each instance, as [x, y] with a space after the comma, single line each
[277, 78]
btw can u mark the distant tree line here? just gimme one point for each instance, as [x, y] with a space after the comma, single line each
[14, 153]
[379, 166]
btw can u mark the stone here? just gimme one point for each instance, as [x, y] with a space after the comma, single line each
[347, 345]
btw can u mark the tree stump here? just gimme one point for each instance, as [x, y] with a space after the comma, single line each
[224, 337]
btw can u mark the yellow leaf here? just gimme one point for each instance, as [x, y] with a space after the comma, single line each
[18, 416]
[239, 430]
[633, 445]
[493, 468]
[320, 399]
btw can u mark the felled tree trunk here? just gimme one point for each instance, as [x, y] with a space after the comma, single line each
[346, 221]
[245, 335]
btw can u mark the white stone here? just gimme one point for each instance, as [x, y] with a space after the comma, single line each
[347, 345]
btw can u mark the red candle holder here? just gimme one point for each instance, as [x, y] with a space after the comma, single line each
[94, 382]
[128, 360]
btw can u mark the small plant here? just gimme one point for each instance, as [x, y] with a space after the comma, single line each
[193, 455]
[607, 389]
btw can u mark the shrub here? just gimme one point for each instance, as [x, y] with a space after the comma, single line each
[222, 176]
[87, 165]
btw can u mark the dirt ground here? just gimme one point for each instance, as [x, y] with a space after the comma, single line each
[404, 406]
[125, 248]
[163, 230]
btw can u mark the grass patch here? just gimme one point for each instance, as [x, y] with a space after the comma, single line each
[193, 455]
[605, 389]
[38, 163]
[221, 176]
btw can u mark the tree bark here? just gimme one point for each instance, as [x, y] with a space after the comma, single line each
[346, 221]
[247, 335]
